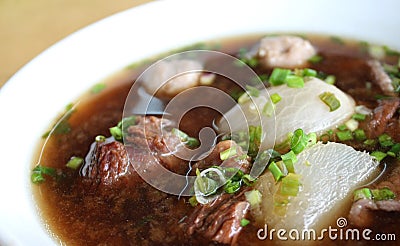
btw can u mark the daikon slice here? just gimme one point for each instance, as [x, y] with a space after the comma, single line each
[298, 108]
[329, 173]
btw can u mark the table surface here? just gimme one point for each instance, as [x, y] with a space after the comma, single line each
[28, 27]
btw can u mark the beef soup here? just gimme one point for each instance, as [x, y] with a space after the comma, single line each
[335, 107]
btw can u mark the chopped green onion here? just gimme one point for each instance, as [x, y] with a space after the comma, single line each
[97, 88]
[315, 59]
[289, 165]
[344, 135]
[382, 194]
[193, 201]
[298, 141]
[390, 52]
[363, 193]
[248, 180]
[379, 155]
[254, 197]
[294, 81]
[253, 91]
[243, 98]
[189, 141]
[276, 171]
[100, 138]
[290, 185]
[330, 99]
[205, 185]
[308, 72]
[116, 132]
[342, 127]
[278, 76]
[228, 153]
[244, 222]
[74, 162]
[330, 79]
[39, 171]
[268, 109]
[395, 150]
[359, 134]
[289, 156]
[369, 142]
[255, 133]
[385, 140]
[232, 186]
[351, 124]
[275, 98]
[359, 117]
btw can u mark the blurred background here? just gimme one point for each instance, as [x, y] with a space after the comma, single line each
[27, 27]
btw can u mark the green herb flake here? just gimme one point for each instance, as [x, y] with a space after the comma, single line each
[344, 135]
[278, 76]
[244, 222]
[337, 40]
[275, 98]
[359, 135]
[330, 100]
[228, 153]
[39, 173]
[74, 162]
[252, 91]
[193, 201]
[294, 81]
[359, 117]
[97, 88]
[315, 59]
[385, 140]
[379, 155]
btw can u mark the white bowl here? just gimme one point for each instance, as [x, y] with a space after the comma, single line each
[31, 99]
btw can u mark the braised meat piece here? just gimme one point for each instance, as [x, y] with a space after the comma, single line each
[381, 117]
[365, 212]
[219, 220]
[111, 162]
[237, 160]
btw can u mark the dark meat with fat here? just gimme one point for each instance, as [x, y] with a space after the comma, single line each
[381, 117]
[219, 220]
[110, 162]
[365, 212]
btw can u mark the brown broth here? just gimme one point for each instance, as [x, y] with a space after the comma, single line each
[148, 215]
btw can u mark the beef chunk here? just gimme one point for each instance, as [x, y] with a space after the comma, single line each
[365, 212]
[219, 220]
[213, 159]
[109, 163]
[381, 77]
[382, 116]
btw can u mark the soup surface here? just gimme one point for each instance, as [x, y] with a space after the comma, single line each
[89, 192]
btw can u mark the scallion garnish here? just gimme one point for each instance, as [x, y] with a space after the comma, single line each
[74, 162]
[294, 81]
[330, 79]
[289, 156]
[100, 138]
[278, 76]
[379, 155]
[359, 134]
[244, 222]
[116, 132]
[370, 142]
[382, 194]
[205, 185]
[228, 153]
[308, 72]
[268, 109]
[97, 88]
[330, 99]
[193, 201]
[315, 59]
[39, 172]
[254, 197]
[395, 150]
[275, 98]
[351, 124]
[253, 91]
[290, 185]
[363, 193]
[232, 186]
[385, 140]
[359, 117]
[344, 135]
[276, 171]
[189, 141]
